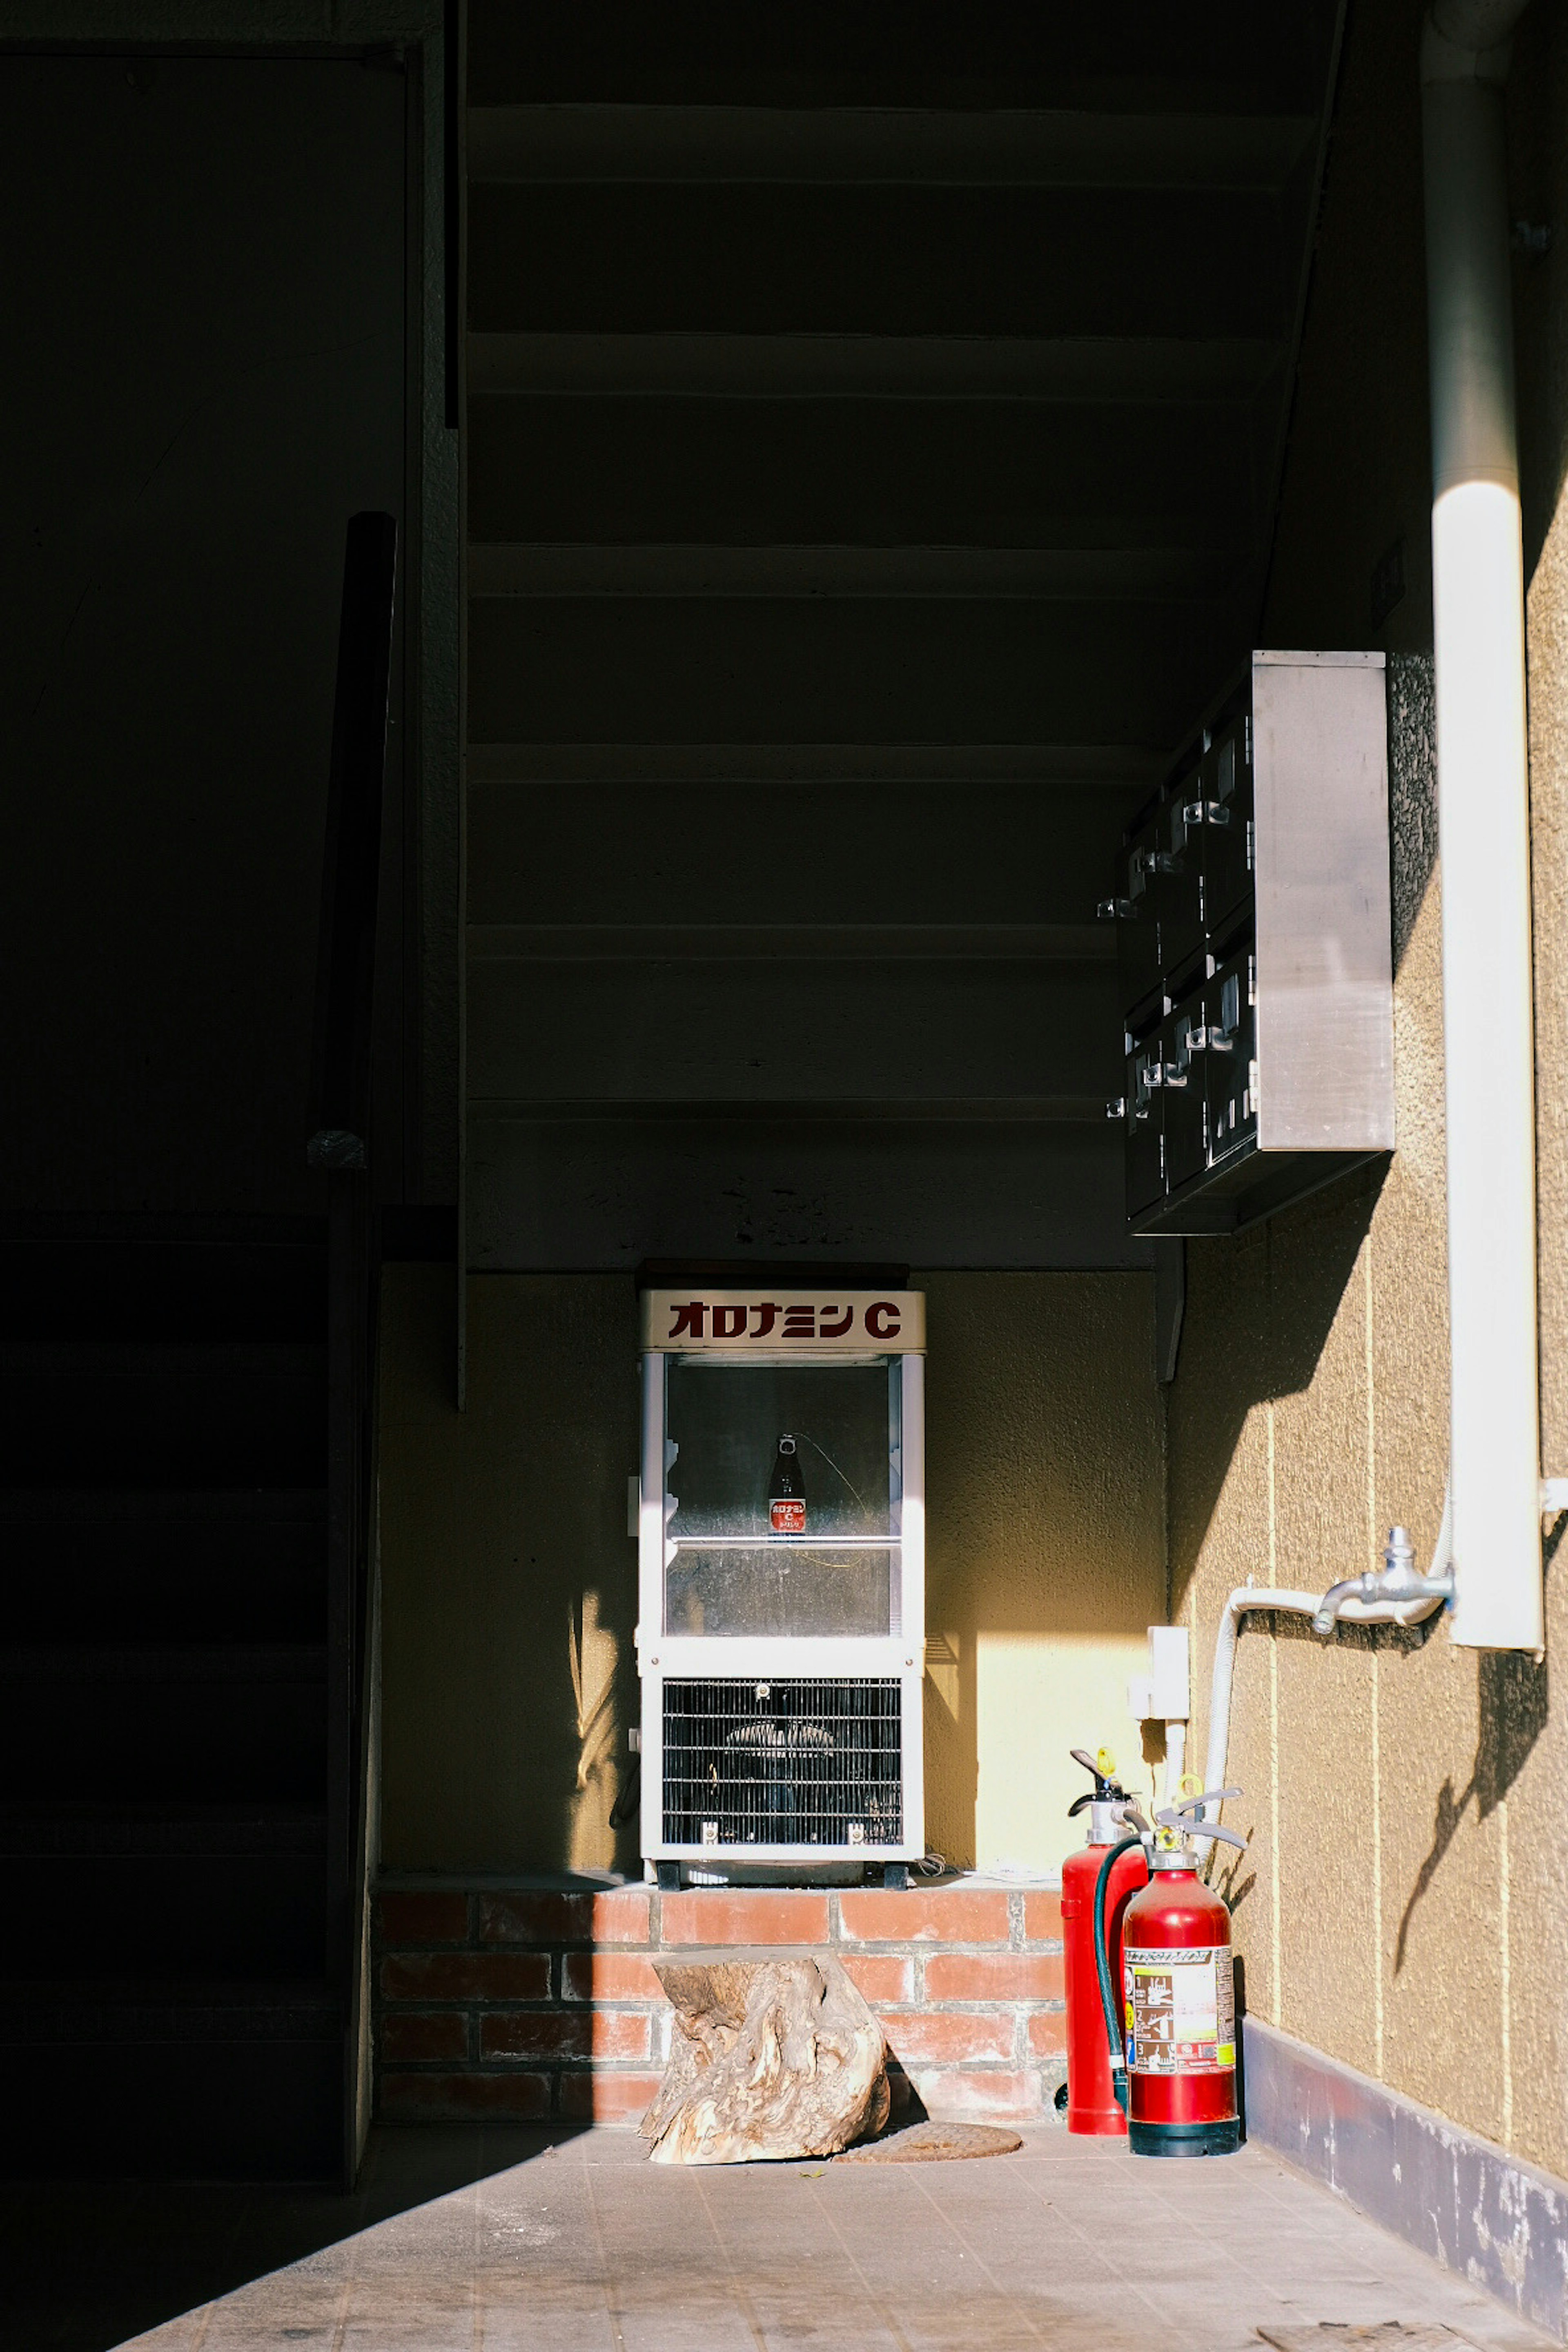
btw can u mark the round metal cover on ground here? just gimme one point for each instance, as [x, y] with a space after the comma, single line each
[1382, 2336]
[934, 2144]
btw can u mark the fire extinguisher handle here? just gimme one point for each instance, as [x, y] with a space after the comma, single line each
[1108, 1998]
[1190, 1807]
[1225, 1837]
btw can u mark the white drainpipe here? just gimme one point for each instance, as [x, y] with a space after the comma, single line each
[1483, 817]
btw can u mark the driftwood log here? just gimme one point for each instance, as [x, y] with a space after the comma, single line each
[771, 2055]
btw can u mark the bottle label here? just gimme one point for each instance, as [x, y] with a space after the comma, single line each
[1181, 2009]
[787, 1514]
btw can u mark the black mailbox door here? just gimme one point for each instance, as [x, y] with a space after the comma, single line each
[1185, 1153]
[1138, 921]
[1180, 885]
[1230, 1057]
[1145, 1111]
[1227, 827]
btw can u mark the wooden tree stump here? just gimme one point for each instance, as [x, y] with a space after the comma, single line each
[772, 2055]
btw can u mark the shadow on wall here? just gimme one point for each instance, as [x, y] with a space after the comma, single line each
[1514, 1702]
[508, 1581]
[1260, 1309]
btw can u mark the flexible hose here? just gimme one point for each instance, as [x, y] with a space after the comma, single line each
[1108, 1999]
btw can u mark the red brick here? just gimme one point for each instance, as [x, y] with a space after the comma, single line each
[880, 1976]
[994, 1976]
[998, 2097]
[732, 1915]
[1043, 1917]
[609, 1976]
[540, 1916]
[933, 2038]
[607, 2098]
[407, 1918]
[466, 1976]
[408, 2036]
[621, 1916]
[536, 1917]
[510, 2097]
[943, 1915]
[1048, 2033]
[606, 2034]
[534, 2034]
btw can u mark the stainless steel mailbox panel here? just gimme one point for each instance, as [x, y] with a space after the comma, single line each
[1271, 885]
[1325, 979]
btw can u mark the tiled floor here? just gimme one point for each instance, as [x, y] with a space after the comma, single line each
[1070, 2244]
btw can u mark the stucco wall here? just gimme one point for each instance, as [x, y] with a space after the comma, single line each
[1046, 1557]
[1403, 1902]
[509, 1583]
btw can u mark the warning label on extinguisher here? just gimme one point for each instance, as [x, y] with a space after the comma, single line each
[1181, 2009]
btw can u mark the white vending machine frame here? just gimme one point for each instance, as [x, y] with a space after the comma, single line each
[785, 1327]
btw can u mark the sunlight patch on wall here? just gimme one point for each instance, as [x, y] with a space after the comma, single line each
[593, 1654]
[1037, 1696]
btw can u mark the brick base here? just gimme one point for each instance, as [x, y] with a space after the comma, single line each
[528, 2005]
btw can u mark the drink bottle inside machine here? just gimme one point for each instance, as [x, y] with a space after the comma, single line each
[786, 1493]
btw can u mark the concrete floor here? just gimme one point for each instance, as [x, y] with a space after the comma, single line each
[495, 2242]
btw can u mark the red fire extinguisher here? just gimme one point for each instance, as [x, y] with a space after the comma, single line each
[1091, 2101]
[1177, 2079]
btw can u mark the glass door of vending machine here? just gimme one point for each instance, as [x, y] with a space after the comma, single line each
[782, 1579]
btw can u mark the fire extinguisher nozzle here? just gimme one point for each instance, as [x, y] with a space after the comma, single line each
[1109, 1998]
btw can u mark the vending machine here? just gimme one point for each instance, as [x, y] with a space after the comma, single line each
[782, 1581]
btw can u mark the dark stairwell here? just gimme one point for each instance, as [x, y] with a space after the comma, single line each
[166, 2004]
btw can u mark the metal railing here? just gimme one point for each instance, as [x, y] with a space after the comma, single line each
[339, 1144]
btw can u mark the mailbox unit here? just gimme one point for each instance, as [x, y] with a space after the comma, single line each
[1254, 951]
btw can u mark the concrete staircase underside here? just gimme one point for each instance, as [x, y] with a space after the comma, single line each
[873, 425]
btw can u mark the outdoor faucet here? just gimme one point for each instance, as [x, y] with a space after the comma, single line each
[1396, 1580]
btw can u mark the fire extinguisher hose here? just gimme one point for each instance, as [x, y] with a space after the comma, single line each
[1108, 2000]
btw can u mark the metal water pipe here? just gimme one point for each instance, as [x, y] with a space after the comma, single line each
[1483, 824]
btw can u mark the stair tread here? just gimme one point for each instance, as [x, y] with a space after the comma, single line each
[149, 1359]
[88, 1830]
[200, 2009]
[166, 1661]
[203, 1505]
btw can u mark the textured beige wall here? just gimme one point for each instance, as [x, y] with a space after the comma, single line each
[1405, 1901]
[509, 1585]
[1044, 1458]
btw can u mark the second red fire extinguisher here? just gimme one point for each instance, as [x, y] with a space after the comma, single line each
[1091, 2105]
[1175, 2076]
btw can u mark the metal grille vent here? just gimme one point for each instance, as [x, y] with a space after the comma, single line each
[800, 1761]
